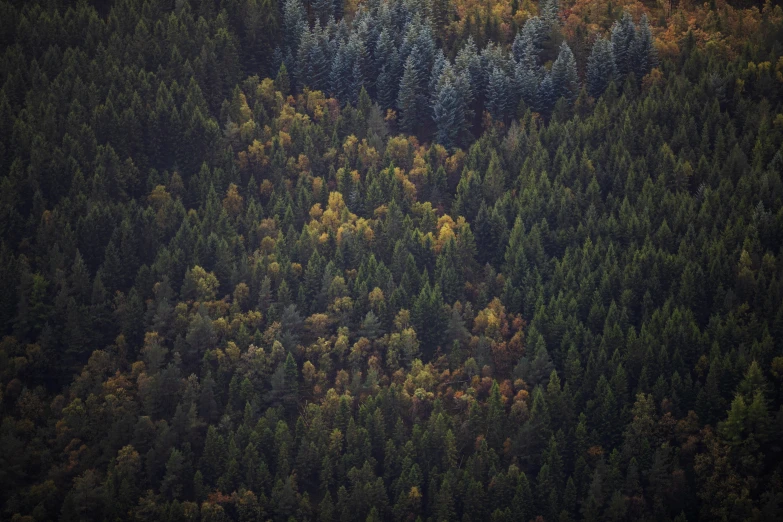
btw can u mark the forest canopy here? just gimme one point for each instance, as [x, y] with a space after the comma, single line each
[344, 260]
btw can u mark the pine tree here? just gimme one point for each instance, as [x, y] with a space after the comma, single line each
[441, 16]
[357, 64]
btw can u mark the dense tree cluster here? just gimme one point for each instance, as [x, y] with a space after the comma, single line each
[390, 49]
[230, 290]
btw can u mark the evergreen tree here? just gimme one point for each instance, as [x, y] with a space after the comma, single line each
[409, 100]
[428, 317]
[294, 26]
[160, 251]
[340, 73]
[545, 96]
[448, 109]
[387, 65]
[549, 10]
[643, 53]
[623, 37]
[564, 78]
[601, 68]
[525, 84]
[467, 65]
[498, 91]
[323, 10]
[436, 73]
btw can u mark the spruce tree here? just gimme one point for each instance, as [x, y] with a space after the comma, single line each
[498, 90]
[340, 74]
[545, 95]
[294, 25]
[304, 73]
[525, 84]
[437, 69]
[468, 65]
[448, 109]
[323, 10]
[565, 81]
[387, 65]
[623, 36]
[535, 31]
[601, 68]
[643, 54]
[282, 81]
[409, 99]
[549, 10]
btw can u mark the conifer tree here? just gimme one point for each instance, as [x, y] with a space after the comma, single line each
[545, 95]
[428, 317]
[435, 74]
[564, 78]
[294, 26]
[409, 98]
[623, 36]
[291, 373]
[448, 109]
[387, 66]
[282, 81]
[467, 65]
[525, 84]
[498, 91]
[549, 10]
[601, 67]
[643, 54]
[323, 10]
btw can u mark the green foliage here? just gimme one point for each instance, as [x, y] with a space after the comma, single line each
[227, 297]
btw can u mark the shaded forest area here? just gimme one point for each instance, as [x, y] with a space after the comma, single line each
[392, 260]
